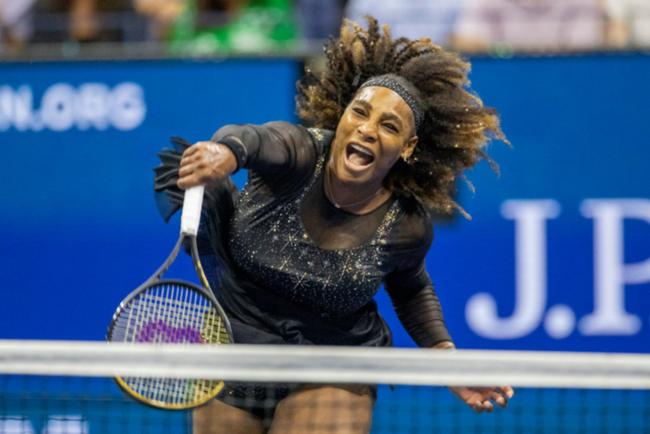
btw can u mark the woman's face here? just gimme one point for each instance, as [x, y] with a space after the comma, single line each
[376, 129]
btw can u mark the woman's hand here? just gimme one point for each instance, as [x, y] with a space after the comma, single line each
[204, 163]
[481, 399]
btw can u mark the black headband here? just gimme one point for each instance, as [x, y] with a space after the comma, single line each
[392, 84]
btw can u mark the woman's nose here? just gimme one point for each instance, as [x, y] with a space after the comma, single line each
[368, 131]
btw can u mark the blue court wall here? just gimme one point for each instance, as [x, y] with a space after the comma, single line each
[557, 255]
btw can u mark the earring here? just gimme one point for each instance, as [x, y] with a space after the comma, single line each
[410, 160]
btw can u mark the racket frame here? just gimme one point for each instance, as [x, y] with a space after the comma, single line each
[156, 279]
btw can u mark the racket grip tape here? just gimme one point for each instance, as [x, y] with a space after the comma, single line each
[192, 205]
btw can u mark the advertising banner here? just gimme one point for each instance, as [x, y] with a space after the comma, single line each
[556, 257]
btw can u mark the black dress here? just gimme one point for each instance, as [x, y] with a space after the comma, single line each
[289, 267]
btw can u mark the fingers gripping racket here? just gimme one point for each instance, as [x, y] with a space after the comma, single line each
[173, 311]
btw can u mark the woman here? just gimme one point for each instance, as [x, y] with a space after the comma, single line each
[330, 213]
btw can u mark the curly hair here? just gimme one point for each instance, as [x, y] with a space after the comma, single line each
[456, 126]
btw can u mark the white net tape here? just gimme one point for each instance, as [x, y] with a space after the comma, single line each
[354, 365]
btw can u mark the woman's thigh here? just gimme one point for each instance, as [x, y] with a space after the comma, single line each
[325, 410]
[216, 417]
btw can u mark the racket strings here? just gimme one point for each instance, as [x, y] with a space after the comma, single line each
[157, 311]
[171, 313]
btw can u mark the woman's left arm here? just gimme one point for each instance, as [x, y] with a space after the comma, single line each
[420, 313]
[417, 306]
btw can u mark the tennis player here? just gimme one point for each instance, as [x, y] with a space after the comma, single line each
[330, 213]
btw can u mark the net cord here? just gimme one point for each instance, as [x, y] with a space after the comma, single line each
[354, 365]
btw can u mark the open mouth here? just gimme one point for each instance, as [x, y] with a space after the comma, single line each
[358, 155]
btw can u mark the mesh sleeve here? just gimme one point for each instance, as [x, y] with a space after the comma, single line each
[410, 288]
[275, 150]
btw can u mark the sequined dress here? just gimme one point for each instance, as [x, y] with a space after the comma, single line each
[277, 284]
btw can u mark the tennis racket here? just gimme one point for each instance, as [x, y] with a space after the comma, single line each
[173, 311]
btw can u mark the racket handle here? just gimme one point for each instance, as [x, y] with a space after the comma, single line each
[192, 210]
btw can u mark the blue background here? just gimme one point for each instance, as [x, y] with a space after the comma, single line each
[79, 228]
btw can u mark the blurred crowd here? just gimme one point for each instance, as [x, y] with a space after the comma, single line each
[212, 26]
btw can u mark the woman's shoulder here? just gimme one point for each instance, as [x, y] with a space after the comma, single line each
[321, 135]
[321, 138]
[318, 138]
[411, 236]
[414, 227]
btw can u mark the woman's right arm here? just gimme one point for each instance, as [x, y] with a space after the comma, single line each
[204, 163]
[275, 149]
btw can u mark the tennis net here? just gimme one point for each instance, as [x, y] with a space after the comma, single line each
[68, 387]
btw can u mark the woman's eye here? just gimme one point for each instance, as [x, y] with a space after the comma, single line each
[392, 128]
[359, 111]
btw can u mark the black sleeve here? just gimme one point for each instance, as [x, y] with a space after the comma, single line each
[411, 290]
[277, 149]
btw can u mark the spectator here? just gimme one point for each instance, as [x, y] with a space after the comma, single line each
[530, 25]
[16, 25]
[319, 19]
[161, 13]
[262, 26]
[84, 25]
[182, 20]
[83, 20]
[234, 25]
[628, 23]
[410, 18]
